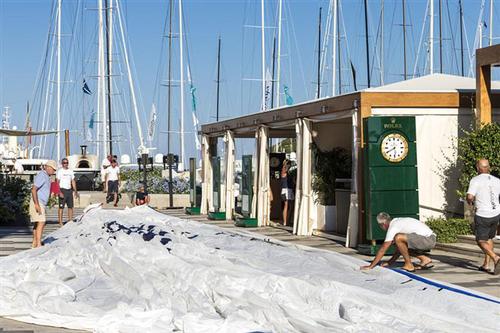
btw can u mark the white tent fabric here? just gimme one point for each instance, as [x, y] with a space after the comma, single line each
[206, 189]
[303, 196]
[263, 177]
[141, 271]
[229, 162]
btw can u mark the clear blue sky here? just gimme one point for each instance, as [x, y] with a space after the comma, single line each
[24, 25]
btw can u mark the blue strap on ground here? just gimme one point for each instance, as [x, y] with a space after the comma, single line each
[442, 286]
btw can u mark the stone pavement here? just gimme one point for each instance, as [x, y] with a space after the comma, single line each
[459, 269]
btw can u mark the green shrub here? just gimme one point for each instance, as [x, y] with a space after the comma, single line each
[328, 166]
[477, 144]
[14, 199]
[447, 231]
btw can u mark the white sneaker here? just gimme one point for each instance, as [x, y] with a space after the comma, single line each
[497, 237]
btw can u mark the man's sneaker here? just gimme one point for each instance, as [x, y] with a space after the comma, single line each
[497, 237]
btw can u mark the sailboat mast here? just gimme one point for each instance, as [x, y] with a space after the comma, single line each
[334, 48]
[109, 49]
[263, 54]
[278, 69]
[461, 35]
[382, 13]
[367, 44]
[181, 56]
[218, 80]
[58, 107]
[338, 49]
[440, 38]
[273, 70]
[318, 87]
[431, 37]
[491, 22]
[169, 85]
[404, 39]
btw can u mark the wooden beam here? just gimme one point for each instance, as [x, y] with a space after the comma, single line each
[483, 98]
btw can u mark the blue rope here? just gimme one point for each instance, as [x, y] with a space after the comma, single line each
[442, 286]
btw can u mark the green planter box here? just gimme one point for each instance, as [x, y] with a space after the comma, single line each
[246, 222]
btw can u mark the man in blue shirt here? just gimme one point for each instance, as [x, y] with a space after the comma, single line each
[40, 193]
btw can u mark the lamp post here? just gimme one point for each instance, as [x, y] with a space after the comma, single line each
[144, 166]
[170, 163]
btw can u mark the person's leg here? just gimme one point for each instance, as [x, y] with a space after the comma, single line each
[285, 212]
[60, 216]
[39, 233]
[485, 231]
[401, 243]
[487, 248]
[33, 243]
[70, 204]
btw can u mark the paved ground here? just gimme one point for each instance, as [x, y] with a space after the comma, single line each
[449, 267]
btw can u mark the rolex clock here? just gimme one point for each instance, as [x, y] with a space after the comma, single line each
[394, 147]
[389, 171]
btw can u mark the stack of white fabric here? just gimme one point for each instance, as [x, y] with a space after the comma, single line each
[141, 271]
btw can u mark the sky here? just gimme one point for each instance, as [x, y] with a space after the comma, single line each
[24, 26]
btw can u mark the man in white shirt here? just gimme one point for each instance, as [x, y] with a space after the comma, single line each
[66, 180]
[113, 181]
[411, 237]
[104, 165]
[483, 193]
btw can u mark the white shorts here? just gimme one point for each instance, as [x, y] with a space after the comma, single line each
[287, 194]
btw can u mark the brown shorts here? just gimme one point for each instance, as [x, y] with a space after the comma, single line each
[34, 216]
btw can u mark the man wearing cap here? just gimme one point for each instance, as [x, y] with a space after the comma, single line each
[66, 180]
[40, 193]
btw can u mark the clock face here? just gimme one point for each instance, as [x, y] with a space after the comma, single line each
[274, 162]
[394, 147]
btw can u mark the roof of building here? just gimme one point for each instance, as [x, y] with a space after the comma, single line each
[433, 83]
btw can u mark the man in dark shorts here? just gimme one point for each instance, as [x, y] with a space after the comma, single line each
[113, 182]
[66, 180]
[412, 239]
[483, 193]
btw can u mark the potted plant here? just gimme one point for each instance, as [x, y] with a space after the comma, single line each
[329, 166]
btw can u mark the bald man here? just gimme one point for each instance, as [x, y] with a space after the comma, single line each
[483, 193]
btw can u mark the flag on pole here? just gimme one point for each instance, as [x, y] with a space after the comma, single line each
[353, 70]
[288, 98]
[196, 123]
[269, 84]
[85, 88]
[152, 122]
[91, 122]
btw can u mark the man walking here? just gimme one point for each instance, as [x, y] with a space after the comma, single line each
[411, 237]
[483, 193]
[113, 181]
[40, 193]
[66, 180]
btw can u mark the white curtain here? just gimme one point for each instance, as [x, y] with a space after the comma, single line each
[206, 186]
[304, 204]
[229, 162]
[353, 222]
[263, 177]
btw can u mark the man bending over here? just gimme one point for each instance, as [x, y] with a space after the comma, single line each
[411, 237]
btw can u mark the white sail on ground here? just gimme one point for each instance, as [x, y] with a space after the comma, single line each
[138, 270]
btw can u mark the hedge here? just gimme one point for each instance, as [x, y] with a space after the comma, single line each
[447, 231]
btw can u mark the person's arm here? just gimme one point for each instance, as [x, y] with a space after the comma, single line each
[471, 193]
[147, 199]
[73, 183]
[379, 256]
[105, 179]
[393, 259]
[34, 194]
